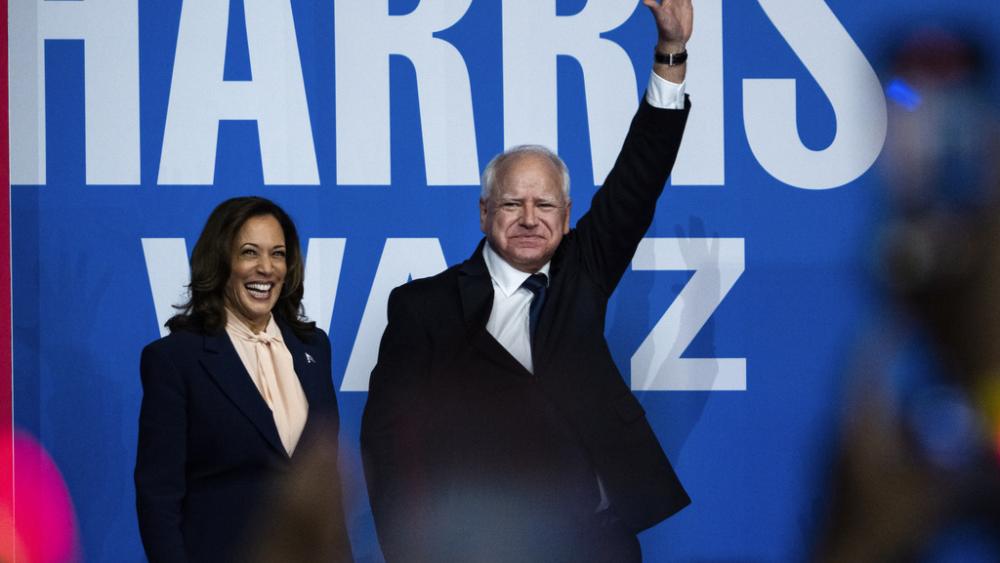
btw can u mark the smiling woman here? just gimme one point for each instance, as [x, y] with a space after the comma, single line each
[237, 232]
[233, 393]
[258, 271]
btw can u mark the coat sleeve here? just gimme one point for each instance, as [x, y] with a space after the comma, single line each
[622, 210]
[160, 459]
[331, 420]
[390, 432]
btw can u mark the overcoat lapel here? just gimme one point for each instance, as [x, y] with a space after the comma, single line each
[476, 291]
[223, 364]
[306, 367]
[546, 329]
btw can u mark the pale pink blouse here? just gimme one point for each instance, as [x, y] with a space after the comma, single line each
[272, 371]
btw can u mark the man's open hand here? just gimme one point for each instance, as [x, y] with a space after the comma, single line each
[674, 22]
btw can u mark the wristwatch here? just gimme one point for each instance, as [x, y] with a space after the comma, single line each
[670, 59]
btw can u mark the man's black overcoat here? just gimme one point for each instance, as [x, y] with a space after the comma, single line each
[469, 456]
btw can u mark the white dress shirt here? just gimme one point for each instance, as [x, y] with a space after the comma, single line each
[508, 321]
[665, 94]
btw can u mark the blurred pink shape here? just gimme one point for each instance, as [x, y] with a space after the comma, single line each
[43, 521]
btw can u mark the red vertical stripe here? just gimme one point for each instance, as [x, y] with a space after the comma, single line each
[7, 538]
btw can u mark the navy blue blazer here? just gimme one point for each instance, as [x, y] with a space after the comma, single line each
[468, 456]
[208, 448]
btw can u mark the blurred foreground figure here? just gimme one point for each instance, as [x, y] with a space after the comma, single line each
[303, 521]
[917, 474]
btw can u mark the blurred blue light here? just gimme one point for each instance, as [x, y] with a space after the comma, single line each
[901, 93]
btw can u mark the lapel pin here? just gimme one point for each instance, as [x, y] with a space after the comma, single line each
[309, 359]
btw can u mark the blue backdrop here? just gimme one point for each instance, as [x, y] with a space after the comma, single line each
[369, 121]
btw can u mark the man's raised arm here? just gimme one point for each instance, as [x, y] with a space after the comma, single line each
[674, 22]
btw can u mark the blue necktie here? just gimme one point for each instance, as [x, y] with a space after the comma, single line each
[536, 284]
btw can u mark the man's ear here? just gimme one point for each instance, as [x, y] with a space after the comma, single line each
[482, 215]
[569, 208]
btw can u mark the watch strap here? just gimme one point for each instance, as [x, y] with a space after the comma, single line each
[670, 59]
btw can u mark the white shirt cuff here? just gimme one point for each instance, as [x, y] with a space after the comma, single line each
[665, 94]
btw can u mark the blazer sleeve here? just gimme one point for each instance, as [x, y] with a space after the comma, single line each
[160, 458]
[331, 419]
[328, 412]
[391, 425]
[622, 210]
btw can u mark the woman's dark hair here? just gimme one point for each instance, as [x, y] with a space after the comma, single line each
[211, 263]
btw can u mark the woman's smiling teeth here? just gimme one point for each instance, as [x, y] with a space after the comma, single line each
[259, 290]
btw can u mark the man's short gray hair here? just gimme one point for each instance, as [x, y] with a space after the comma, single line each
[490, 173]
